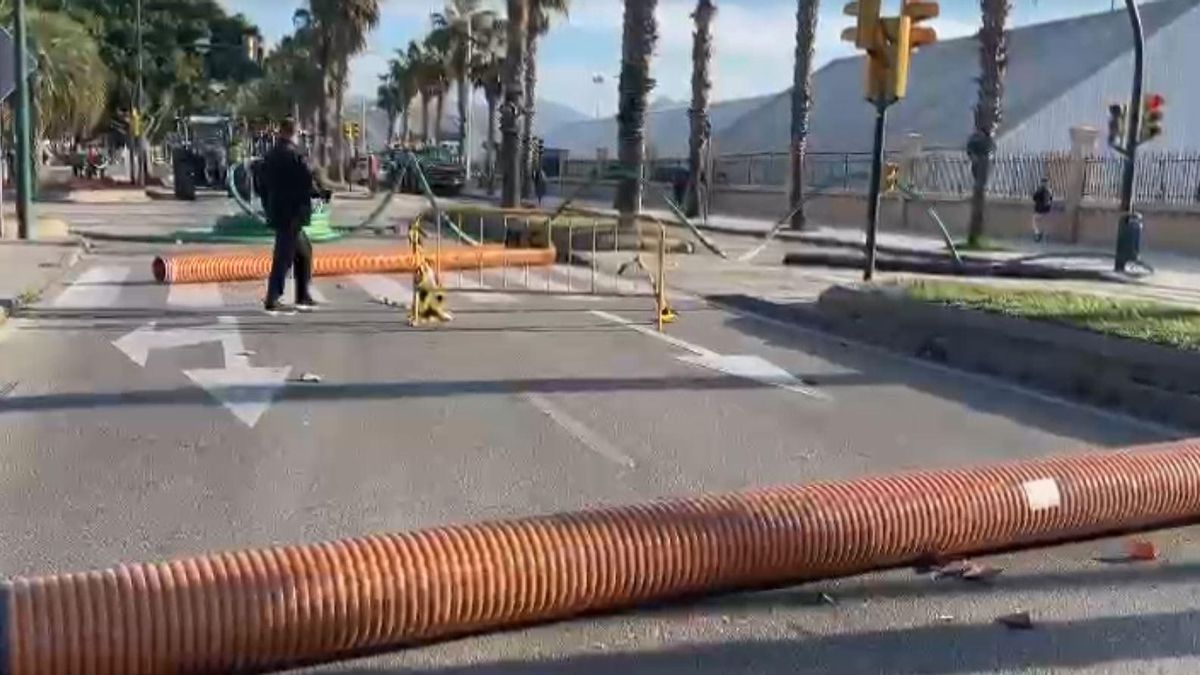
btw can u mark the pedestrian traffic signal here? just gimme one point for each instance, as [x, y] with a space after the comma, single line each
[351, 130]
[1116, 126]
[865, 33]
[891, 176]
[1152, 114]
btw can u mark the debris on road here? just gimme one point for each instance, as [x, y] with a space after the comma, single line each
[247, 352]
[967, 570]
[944, 618]
[1134, 550]
[1017, 621]
[311, 378]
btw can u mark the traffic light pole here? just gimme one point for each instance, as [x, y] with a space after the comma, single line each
[1125, 235]
[881, 106]
[24, 154]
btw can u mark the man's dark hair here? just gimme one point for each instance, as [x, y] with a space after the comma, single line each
[288, 128]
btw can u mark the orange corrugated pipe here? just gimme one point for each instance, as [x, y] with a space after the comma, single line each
[271, 608]
[209, 267]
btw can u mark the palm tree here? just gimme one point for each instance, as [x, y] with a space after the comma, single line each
[487, 73]
[458, 30]
[420, 72]
[802, 102]
[514, 99]
[639, 36]
[993, 58]
[395, 93]
[72, 84]
[341, 27]
[701, 125]
[437, 79]
[540, 12]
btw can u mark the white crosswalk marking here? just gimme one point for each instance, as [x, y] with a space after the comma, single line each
[462, 285]
[195, 296]
[396, 289]
[313, 290]
[96, 288]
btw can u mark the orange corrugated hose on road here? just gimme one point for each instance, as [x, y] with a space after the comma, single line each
[210, 267]
[258, 610]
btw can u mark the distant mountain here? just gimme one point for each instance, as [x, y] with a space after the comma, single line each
[665, 103]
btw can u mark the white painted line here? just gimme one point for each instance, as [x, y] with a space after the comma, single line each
[195, 296]
[988, 380]
[469, 281]
[590, 439]
[381, 287]
[650, 332]
[98, 287]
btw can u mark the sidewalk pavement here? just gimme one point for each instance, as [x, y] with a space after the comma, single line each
[30, 267]
[1176, 278]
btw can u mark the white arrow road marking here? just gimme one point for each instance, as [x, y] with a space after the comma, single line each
[247, 391]
[138, 344]
[745, 366]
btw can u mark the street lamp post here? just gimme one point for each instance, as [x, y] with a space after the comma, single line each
[1128, 229]
[598, 80]
[24, 152]
[139, 103]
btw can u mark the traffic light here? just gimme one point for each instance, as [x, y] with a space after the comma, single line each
[865, 34]
[1116, 125]
[1152, 114]
[891, 176]
[889, 43]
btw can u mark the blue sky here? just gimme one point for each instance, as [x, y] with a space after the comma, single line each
[753, 45]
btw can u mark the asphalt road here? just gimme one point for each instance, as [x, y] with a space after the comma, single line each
[531, 402]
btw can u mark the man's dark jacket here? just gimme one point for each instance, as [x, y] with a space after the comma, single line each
[290, 185]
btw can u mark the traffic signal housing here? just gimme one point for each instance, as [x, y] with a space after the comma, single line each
[1116, 125]
[1152, 115]
[865, 33]
[889, 43]
[891, 176]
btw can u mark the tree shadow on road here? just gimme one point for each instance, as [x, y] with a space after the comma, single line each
[931, 649]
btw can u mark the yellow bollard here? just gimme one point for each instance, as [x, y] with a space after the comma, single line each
[663, 308]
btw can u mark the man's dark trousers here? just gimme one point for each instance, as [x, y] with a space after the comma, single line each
[292, 249]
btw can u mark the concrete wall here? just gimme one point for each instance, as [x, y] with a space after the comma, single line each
[1175, 229]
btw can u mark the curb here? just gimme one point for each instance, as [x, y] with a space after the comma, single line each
[1145, 380]
[10, 306]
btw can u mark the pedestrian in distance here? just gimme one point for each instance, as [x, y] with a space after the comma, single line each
[290, 185]
[539, 185]
[1043, 200]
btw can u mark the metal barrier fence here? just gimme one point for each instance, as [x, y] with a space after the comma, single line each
[1162, 178]
[575, 237]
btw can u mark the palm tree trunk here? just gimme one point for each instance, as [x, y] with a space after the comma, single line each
[802, 102]
[464, 122]
[639, 35]
[490, 150]
[514, 100]
[424, 117]
[339, 139]
[323, 121]
[993, 58]
[404, 122]
[527, 169]
[701, 126]
[440, 108]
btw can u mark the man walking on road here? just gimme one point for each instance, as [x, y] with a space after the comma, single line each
[290, 185]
